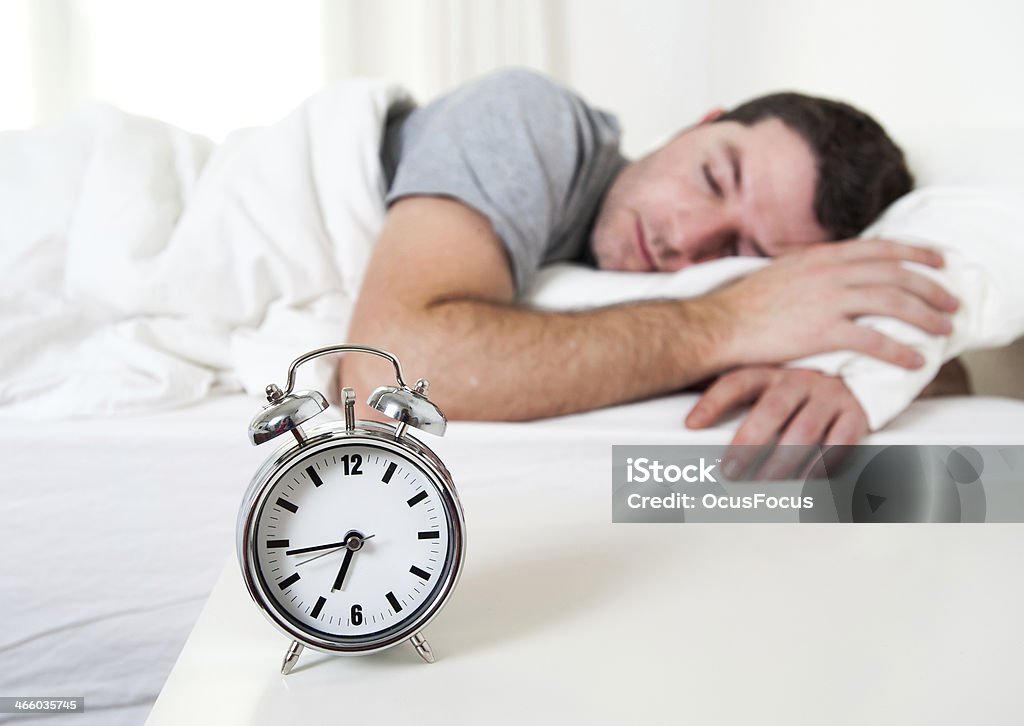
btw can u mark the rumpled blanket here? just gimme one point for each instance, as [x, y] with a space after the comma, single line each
[145, 267]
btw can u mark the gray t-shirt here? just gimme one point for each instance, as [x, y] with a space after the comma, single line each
[528, 154]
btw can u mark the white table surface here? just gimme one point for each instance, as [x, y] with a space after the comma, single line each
[563, 617]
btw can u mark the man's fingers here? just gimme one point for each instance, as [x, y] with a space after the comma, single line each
[770, 414]
[730, 391]
[862, 339]
[787, 462]
[896, 303]
[829, 459]
[801, 439]
[805, 407]
[808, 427]
[883, 249]
[849, 428]
[762, 426]
[897, 275]
[927, 289]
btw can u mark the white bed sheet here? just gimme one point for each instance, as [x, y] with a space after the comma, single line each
[116, 530]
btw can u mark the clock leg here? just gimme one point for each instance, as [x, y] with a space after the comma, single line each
[422, 647]
[291, 657]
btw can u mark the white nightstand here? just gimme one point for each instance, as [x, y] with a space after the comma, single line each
[563, 617]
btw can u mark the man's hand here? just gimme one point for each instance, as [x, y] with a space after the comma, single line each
[806, 302]
[795, 408]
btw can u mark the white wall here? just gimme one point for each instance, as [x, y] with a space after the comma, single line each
[208, 66]
[432, 46]
[903, 58]
[648, 61]
[17, 96]
[214, 65]
[942, 75]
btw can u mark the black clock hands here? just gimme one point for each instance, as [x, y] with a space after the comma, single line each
[353, 543]
[317, 548]
[343, 570]
[317, 557]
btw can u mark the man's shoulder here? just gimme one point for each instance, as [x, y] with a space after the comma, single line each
[520, 83]
[521, 95]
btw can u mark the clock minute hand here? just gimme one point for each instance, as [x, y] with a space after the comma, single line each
[317, 548]
[328, 546]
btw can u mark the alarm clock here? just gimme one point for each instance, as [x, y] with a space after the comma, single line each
[351, 536]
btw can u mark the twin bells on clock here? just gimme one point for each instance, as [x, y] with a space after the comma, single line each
[286, 410]
[350, 537]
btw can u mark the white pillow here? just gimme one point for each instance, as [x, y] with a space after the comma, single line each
[979, 230]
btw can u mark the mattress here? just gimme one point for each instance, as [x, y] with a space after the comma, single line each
[118, 529]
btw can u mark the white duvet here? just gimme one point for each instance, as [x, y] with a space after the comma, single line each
[145, 268]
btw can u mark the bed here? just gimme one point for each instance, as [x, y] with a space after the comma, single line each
[118, 530]
[125, 452]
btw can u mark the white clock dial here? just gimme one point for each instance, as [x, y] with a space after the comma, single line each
[353, 541]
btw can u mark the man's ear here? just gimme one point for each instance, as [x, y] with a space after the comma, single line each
[712, 115]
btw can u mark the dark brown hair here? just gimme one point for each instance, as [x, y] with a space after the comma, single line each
[861, 171]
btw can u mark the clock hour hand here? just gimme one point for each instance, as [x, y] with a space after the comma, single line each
[353, 543]
[343, 570]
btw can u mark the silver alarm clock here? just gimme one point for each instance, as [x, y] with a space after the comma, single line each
[350, 537]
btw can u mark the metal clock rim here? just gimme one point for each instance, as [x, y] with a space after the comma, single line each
[326, 437]
[330, 438]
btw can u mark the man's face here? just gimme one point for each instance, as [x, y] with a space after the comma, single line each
[715, 190]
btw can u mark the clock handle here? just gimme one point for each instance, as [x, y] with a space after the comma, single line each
[306, 357]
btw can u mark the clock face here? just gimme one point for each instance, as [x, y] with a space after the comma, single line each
[353, 542]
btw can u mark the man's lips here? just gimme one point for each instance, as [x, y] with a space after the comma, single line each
[641, 243]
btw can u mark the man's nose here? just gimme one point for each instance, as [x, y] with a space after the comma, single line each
[704, 235]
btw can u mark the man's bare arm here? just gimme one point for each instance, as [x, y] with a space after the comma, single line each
[439, 293]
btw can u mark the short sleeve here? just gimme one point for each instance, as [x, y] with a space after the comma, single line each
[528, 154]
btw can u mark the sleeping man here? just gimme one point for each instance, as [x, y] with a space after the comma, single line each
[511, 172]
